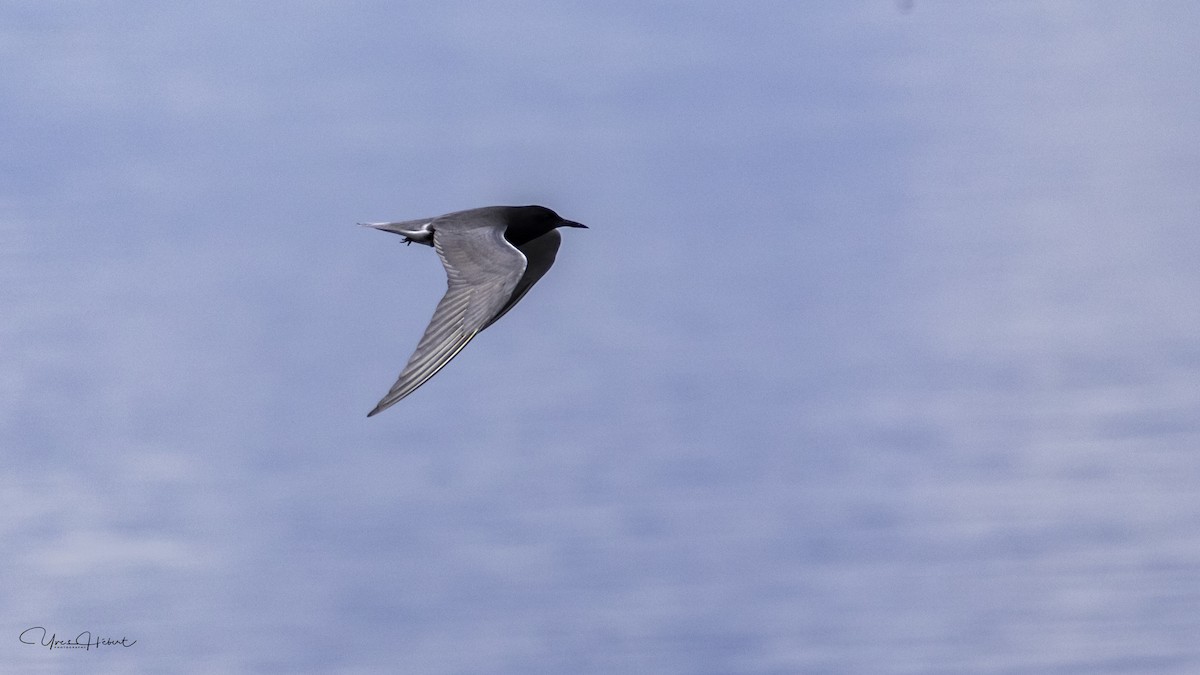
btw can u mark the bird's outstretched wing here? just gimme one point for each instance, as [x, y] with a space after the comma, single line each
[482, 271]
[539, 256]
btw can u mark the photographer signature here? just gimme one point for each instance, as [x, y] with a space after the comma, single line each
[84, 641]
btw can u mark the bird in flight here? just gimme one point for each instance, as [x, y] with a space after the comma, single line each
[493, 256]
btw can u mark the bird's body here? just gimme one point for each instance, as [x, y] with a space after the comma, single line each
[493, 256]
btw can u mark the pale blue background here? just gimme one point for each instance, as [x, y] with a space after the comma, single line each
[881, 355]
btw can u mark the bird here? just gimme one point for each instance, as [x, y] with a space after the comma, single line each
[493, 255]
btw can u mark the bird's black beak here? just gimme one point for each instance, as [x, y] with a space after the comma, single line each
[571, 223]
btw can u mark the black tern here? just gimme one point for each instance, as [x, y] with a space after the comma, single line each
[493, 256]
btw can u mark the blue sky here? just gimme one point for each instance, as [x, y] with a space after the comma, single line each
[879, 355]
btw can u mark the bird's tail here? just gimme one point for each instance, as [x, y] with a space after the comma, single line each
[420, 231]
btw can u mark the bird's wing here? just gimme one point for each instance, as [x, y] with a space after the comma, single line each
[482, 269]
[540, 254]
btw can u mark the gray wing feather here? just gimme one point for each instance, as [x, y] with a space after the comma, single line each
[540, 254]
[482, 270]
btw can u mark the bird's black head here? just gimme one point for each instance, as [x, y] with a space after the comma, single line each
[526, 223]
